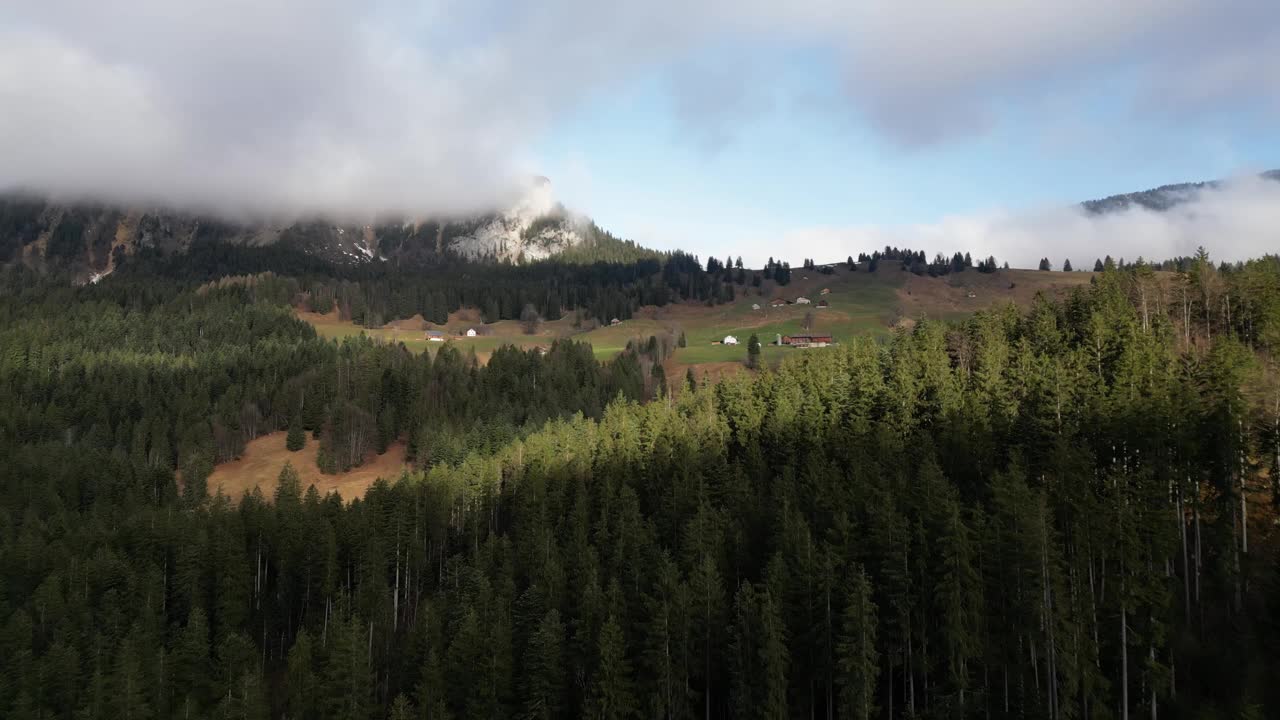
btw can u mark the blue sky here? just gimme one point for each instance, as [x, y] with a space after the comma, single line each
[798, 159]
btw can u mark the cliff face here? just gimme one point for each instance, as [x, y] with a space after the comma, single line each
[90, 238]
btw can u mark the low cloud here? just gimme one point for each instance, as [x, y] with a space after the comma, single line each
[1234, 221]
[390, 105]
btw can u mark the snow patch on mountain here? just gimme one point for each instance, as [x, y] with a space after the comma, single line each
[534, 228]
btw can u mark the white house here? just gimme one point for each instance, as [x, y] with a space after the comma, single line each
[471, 332]
[435, 336]
[730, 340]
[802, 301]
[755, 306]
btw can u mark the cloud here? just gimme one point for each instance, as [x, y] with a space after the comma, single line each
[1234, 221]
[392, 105]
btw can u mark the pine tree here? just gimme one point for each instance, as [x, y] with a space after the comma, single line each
[659, 375]
[611, 693]
[542, 690]
[1066, 265]
[1097, 265]
[297, 437]
[192, 667]
[753, 351]
[301, 678]
[857, 659]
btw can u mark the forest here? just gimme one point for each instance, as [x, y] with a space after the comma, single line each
[378, 292]
[1064, 511]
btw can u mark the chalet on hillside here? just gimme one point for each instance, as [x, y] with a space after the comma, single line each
[806, 341]
[778, 302]
[435, 336]
[755, 306]
[615, 321]
[803, 301]
[730, 340]
[471, 332]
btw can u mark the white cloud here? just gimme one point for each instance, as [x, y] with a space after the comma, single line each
[356, 107]
[1235, 221]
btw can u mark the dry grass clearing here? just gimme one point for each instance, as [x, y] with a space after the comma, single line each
[266, 456]
[964, 293]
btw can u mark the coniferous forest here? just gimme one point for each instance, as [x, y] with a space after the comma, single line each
[1066, 510]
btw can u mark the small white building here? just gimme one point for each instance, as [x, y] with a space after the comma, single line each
[755, 306]
[435, 336]
[803, 301]
[730, 340]
[471, 332]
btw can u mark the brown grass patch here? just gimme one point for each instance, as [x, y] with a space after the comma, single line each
[265, 457]
[971, 291]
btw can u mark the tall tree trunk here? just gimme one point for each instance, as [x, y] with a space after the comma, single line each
[1186, 570]
[1151, 653]
[1124, 661]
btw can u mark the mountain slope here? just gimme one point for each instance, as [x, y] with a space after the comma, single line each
[1161, 198]
[89, 238]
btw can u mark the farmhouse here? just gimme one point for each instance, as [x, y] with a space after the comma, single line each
[806, 341]
[826, 291]
[471, 332]
[755, 306]
[615, 321]
[435, 336]
[730, 340]
[823, 304]
[777, 302]
[803, 301]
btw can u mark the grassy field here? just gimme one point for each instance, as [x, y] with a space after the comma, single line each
[265, 457]
[412, 332]
[861, 303]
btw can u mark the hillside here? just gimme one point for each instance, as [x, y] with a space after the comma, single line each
[1159, 199]
[858, 303]
[89, 238]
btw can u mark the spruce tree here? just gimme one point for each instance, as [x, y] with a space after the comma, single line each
[753, 351]
[297, 437]
[611, 692]
[857, 660]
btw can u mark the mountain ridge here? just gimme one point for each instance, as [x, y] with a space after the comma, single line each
[1162, 198]
[91, 237]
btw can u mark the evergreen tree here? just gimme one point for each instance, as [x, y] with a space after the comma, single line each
[611, 692]
[544, 674]
[856, 656]
[1066, 265]
[753, 351]
[297, 438]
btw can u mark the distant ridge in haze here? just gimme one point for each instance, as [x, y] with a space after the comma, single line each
[1161, 198]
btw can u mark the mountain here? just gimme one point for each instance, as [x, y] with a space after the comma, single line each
[1159, 199]
[90, 238]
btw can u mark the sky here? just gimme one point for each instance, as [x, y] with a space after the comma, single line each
[812, 128]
